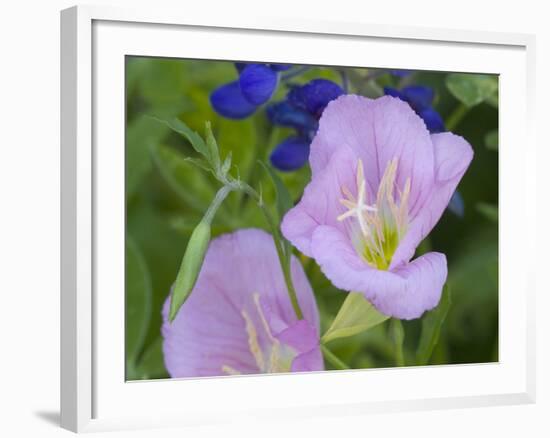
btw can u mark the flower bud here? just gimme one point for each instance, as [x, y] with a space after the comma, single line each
[190, 266]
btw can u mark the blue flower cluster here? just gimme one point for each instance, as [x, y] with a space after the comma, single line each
[420, 98]
[303, 107]
[301, 110]
[255, 86]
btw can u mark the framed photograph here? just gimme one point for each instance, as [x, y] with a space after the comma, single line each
[273, 218]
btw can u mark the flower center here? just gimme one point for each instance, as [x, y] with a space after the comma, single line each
[377, 229]
[274, 357]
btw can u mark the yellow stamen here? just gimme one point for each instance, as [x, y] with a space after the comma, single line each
[230, 370]
[256, 298]
[279, 356]
[253, 343]
[381, 225]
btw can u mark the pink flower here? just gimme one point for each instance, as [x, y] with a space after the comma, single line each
[380, 182]
[239, 318]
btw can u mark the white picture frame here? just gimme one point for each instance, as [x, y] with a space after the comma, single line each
[94, 394]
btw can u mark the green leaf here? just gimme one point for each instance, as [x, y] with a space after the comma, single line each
[190, 267]
[200, 163]
[151, 365]
[471, 89]
[333, 360]
[431, 327]
[141, 134]
[195, 139]
[488, 210]
[226, 166]
[491, 140]
[212, 147]
[355, 316]
[182, 175]
[162, 250]
[135, 69]
[239, 140]
[283, 199]
[472, 322]
[493, 99]
[162, 83]
[283, 202]
[138, 300]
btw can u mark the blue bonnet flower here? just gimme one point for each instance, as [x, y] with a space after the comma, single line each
[255, 86]
[301, 110]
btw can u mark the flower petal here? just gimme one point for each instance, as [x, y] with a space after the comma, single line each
[290, 154]
[228, 101]
[315, 95]
[416, 288]
[403, 293]
[378, 131]
[308, 361]
[320, 202]
[301, 336]
[258, 82]
[210, 329]
[453, 155]
[339, 261]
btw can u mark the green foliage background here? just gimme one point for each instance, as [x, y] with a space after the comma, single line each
[166, 197]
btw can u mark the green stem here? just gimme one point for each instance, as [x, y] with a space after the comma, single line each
[399, 359]
[186, 196]
[456, 117]
[284, 259]
[297, 71]
[398, 335]
[284, 255]
[216, 203]
[334, 360]
[345, 81]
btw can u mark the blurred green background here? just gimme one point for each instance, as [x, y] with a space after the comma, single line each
[166, 197]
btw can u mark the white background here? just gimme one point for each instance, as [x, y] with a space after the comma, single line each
[29, 227]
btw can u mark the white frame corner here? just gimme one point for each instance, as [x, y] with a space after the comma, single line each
[78, 200]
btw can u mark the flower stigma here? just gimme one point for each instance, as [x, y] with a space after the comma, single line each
[376, 229]
[275, 357]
